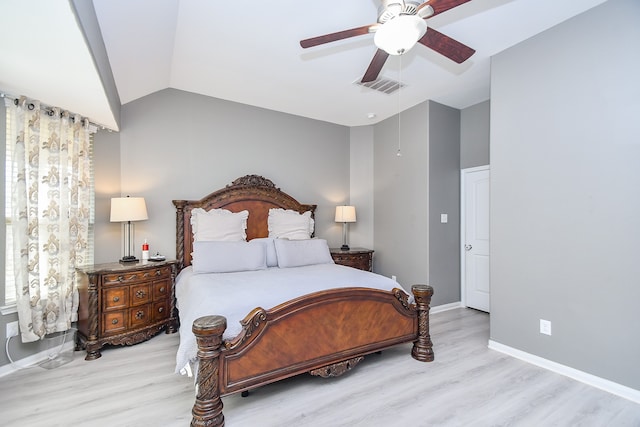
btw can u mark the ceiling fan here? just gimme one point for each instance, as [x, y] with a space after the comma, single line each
[401, 24]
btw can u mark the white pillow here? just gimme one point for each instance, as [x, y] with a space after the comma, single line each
[297, 253]
[289, 224]
[226, 257]
[219, 224]
[272, 257]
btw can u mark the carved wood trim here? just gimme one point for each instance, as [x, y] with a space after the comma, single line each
[252, 323]
[403, 297]
[253, 181]
[337, 369]
[423, 347]
[174, 318]
[91, 342]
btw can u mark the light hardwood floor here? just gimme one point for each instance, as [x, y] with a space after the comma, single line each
[467, 385]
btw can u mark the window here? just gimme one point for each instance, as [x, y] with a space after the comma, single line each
[9, 283]
[9, 287]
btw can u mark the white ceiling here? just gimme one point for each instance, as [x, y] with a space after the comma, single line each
[249, 52]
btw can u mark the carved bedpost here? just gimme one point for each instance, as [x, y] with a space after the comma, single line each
[180, 204]
[423, 347]
[174, 325]
[207, 411]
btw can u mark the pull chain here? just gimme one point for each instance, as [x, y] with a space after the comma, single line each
[399, 153]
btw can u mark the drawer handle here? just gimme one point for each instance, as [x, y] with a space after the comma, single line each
[120, 278]
[162, 289]
[160, 309]
[158, 273]
[139, 314]
[114, 322]
[141, 294]
[116, 299]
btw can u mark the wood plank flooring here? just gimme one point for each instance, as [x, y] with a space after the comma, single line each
[467, 385]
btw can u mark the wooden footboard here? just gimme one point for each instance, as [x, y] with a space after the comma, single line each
[324, 333]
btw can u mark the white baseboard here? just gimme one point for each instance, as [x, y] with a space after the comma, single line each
[589, 379]
[445, 307]
[31, 361]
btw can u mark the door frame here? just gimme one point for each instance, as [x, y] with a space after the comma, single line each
[463, 218]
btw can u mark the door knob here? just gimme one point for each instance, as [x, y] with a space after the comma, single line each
[467, 247]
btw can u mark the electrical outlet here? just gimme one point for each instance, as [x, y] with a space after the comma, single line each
[545, 327]
[12, 329]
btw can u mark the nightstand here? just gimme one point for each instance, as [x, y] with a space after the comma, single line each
[360, 258]
[124, 304]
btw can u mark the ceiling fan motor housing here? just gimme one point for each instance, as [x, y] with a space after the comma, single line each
[392, 8]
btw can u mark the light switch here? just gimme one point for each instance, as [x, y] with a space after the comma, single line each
[444, 218]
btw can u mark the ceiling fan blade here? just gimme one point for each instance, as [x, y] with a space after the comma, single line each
[440, 6]
[376, 66]
[444, 45]
[328, 38]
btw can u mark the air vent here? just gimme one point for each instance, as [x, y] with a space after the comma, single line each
[382, 85]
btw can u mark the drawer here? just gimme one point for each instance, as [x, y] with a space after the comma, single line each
[115, 298]
[161, 272]
[160, 310]
[360, 261]
[139, 316]
[140, 294]
[124, 278]
[161, 289]
[114, 322]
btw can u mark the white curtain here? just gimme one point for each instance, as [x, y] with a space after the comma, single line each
[51, 199]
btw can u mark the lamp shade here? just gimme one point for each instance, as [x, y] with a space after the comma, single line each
[128, 209]
[400, 33]
[345, 214]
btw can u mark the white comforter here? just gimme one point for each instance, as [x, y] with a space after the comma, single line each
[234, 295]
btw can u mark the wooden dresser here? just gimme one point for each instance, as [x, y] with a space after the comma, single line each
[354, 257]
[124, 304]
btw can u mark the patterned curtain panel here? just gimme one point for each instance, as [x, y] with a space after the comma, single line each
[50, 219]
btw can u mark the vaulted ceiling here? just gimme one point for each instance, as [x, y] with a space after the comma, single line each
[249, 52]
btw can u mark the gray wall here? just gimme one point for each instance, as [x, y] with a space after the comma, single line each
[410, 193]
[361, 187]
[474, 135]
[444, 198]
[178, 145]
[106, 165]
[401, 202]
[565, 204]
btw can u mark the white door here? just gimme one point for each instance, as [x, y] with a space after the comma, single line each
[475, 237]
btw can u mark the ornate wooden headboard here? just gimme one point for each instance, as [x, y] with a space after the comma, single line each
[251, 192]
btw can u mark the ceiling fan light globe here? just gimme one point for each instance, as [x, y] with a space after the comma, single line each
[399, 34]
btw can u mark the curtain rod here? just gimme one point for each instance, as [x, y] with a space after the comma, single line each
[93, 127]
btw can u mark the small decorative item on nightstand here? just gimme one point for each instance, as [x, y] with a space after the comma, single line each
[124, 304]
[360, 258]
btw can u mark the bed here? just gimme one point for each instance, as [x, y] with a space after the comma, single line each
[335, 316]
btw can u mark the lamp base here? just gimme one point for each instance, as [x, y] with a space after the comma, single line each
[344, 247]
[128, 259]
